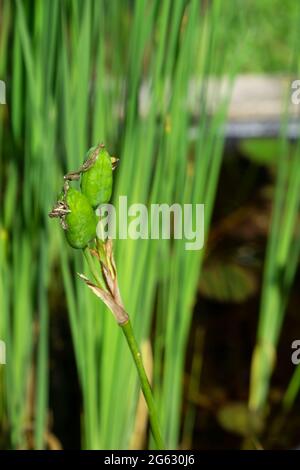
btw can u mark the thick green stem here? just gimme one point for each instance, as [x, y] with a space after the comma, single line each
[145, 385]
[136, 355]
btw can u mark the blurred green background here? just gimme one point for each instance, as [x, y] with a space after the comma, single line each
[215, 326]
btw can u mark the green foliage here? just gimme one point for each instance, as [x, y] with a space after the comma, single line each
[282, 256]
[79, 72]
[265, 30]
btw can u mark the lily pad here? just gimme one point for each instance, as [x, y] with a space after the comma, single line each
[227, 282]
[261, 151]
[238, 419]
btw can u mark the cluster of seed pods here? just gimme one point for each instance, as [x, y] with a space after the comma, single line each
[76, 208]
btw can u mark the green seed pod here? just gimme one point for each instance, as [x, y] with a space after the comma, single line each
[96, 181]
[81, 221]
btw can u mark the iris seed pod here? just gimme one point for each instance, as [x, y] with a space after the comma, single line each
[81, 221]
[77, 217]
[96, 181]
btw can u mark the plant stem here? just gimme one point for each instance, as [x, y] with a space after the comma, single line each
[98, 278]
[136, 355]
[145, 385]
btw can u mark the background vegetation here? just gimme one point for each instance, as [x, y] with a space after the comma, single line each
[120, 72]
